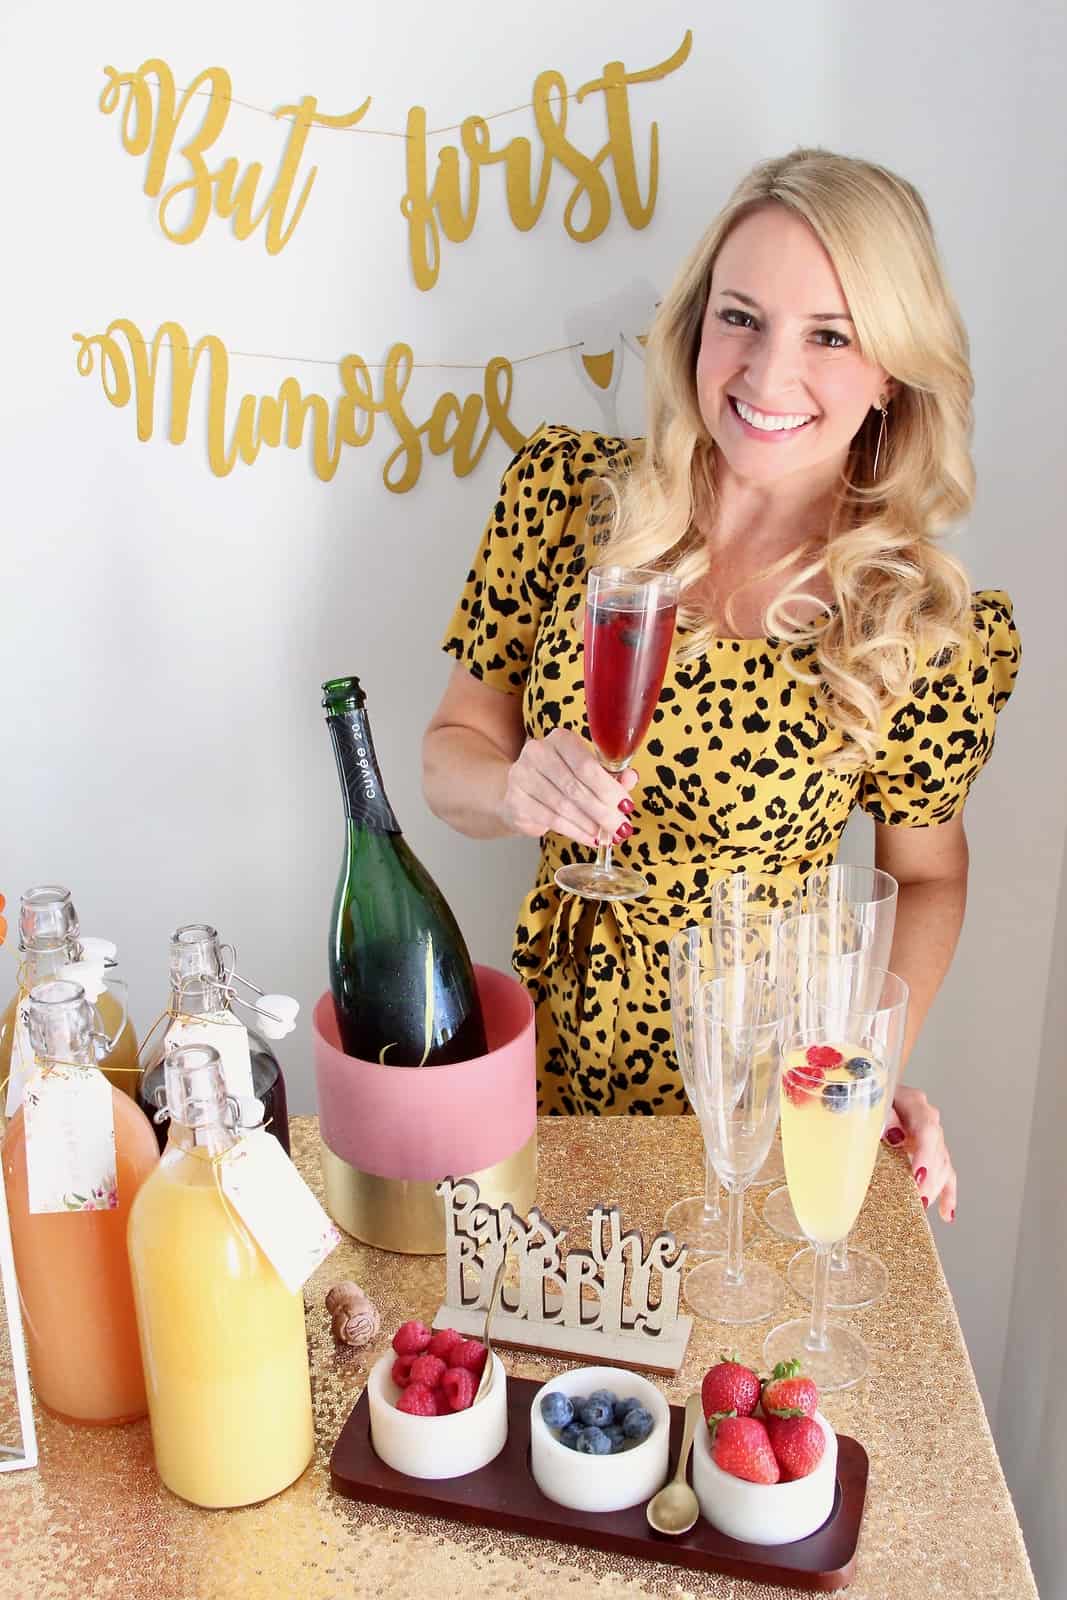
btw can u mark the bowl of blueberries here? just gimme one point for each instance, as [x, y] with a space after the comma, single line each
[599, 1439]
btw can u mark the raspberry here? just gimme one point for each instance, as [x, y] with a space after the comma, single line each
[428, 1370]
[823, 1055]
[402, 1371]
[442, 1342]
[801, 1084]
[441, 1402]
[418, 1401]
[459, 1384]
[411, 1338]
[469, 1353]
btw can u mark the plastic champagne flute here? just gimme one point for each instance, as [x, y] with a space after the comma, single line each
[868, 895]
[736, 1065]
[697, 954]
[823, 946]
[629, 625]
[836, 1078]
[754, 905]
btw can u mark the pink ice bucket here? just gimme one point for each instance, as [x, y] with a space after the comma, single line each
[390, 1134]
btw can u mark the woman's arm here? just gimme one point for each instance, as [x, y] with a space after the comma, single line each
[482, 776]
[930, 865]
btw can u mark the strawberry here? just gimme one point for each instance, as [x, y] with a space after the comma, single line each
[418, 1401]
[798, 1444]
[822, 1056]
[786, 1394]
[741, 1447]
[729, 1390]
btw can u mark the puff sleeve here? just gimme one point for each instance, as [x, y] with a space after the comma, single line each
[535, 530]
[937, 742]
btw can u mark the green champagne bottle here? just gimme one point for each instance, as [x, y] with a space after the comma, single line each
[402, 981]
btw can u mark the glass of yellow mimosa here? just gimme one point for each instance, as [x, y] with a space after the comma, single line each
[831, 945]
[697, 954]
[857, 1277]
[735, 1069]
[837, 1079]
[754, 905]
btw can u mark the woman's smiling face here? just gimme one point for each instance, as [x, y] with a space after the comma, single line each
[783, 389]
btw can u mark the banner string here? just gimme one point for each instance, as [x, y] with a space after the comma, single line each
[323, 361]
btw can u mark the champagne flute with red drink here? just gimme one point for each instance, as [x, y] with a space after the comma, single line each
[629, 625]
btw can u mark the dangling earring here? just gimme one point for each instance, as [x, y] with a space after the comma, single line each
[880, 446]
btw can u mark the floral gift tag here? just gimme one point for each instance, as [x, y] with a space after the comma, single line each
[70, 1141]
[229, 1036]
[277, 1207]
[22, 1059]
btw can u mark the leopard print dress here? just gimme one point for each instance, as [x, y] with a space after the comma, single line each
[728, 777]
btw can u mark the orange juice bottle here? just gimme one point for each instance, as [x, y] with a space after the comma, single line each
[225, 1350]
[49, 939]
[72, 1268]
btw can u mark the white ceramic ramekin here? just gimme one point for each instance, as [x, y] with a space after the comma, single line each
[765, 1513]
[436, 1447]
[600, 1483]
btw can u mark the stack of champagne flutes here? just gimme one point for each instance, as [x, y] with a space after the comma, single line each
[787, 1020]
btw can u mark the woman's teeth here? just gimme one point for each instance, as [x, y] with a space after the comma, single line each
[759, 419]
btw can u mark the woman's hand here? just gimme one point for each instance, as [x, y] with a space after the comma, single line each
[557, 785]
[916, 1124]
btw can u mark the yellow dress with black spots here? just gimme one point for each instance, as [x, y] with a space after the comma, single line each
[728, 777]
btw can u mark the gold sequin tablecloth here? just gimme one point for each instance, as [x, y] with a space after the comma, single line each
[94, 1521]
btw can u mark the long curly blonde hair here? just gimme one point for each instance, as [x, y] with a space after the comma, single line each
[900, 598]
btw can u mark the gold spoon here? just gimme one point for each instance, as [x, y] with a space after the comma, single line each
[675, 1508]
[486, 1381]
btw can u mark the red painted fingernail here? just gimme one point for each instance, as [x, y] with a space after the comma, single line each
[952, 1218]
[625, 830]
[626, 806]
[895, 1136]
[925, 1202]
[920, 1174]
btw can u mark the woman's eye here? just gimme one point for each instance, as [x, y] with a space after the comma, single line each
[830, 339]
[737, 319]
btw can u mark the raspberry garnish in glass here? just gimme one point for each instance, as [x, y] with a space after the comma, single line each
[629, 625]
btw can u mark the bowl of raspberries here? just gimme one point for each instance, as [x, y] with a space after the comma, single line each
[598, 1439]
[765, 1466]
[423, 1418]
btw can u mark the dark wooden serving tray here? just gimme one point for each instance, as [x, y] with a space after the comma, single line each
[504, 1495]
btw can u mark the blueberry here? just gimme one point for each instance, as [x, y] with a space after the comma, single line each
[556, 1409]
[616, 1435]
[569, 1436]
[577, 1402]
[860, 1067]
[593, 1442]
[637, 1423]
[596, 1413]
[836, 1096]
[605, 1394]
[625, 1405]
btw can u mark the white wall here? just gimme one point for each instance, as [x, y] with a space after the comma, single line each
[164, 631]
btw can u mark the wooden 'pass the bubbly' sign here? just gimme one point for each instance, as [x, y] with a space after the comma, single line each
[577, 1305]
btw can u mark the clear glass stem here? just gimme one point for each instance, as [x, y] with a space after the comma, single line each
[712, 1208]
[816, 1339]
[735, 1269]
[603, 857]
[839, 1256]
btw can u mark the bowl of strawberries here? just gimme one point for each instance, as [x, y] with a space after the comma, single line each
[765, 1466]
[424, 1418]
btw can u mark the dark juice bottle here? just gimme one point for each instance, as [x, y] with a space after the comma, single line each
[197, 991]
[403, 986]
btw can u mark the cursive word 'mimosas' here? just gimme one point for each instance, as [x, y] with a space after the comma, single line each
[130, 370]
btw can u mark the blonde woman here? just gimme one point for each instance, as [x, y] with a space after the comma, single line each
[809, 414]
